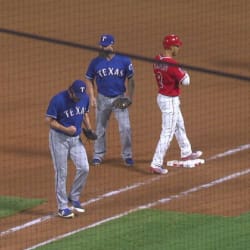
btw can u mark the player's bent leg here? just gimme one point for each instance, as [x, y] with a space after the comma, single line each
[59, 152]
[181, 136]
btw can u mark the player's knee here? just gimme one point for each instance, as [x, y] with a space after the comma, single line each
[125, 131]
[83, 169]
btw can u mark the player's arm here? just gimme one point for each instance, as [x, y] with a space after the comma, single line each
[87, 130]
[90, 91]
[185, 80]
[86, 121]
[56, 125]
[181, 76]
[131, 87]
[90, 82]
[130, 79]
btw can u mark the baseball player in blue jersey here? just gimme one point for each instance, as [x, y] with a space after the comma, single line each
[113, 75]
[66, 113]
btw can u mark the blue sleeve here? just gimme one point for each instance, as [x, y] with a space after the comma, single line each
[52, 109]
[129, 68]
[90, 74]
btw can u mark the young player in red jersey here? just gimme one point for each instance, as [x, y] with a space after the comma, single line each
[169, 77]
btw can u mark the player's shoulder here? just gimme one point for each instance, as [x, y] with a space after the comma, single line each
[60, 95]
[59, 98]
[158, 57]
[161, 57]
[97, 59]
[122, 58]
[172, 60]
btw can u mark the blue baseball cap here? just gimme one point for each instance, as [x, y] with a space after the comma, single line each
[79, 88]
[106, 40]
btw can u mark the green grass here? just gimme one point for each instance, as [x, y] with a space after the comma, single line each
[158, 230]
[10, 205]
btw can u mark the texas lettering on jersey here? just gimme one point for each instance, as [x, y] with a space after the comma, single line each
[74, 111]
[110, 72]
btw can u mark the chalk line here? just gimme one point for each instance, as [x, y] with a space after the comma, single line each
[116, 192]
[146, 206]
[93, 200]
[230, 152]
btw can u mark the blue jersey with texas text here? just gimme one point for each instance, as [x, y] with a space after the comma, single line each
[110, 74]
[67, 112]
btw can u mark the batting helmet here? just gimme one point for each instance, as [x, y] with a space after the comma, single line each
[171, 40]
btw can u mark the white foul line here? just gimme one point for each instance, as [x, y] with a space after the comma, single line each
[101, 197]
[115, 192]
[149, 205]
[230, 152]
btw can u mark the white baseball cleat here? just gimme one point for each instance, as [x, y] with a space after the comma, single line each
[193, 156]
[158, 170]
[76, 205]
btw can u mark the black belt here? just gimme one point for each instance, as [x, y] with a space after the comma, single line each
[112, 96]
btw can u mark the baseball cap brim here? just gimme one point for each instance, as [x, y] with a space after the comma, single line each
[79, 95]
[105, 44]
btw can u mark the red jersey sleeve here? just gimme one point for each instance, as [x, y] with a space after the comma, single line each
[175, 71]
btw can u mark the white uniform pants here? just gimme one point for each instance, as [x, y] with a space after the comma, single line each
[172, 124]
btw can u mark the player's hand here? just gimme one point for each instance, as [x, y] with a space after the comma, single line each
[71, 130]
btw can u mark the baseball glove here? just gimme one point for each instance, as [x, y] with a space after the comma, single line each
[90, 135]
[121, 102]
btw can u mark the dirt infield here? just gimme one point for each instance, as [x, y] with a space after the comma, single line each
[216, 109]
